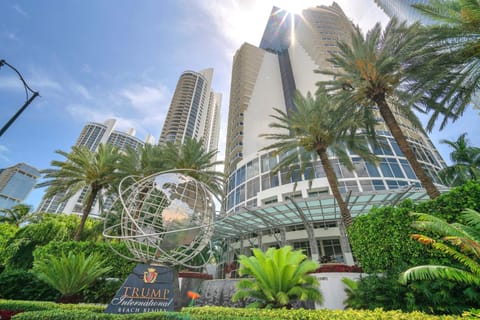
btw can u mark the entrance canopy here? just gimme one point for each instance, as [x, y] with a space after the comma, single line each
[315, 210]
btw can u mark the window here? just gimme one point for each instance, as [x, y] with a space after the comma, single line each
[240, 176]
[396, 148]
[331, 248]
[268, 162]
[270, 200]
[378, 184]
[372, 170]
[366, 185]
[304, 246]
[253, 187]
[360, 167]
[269, 181]
[319, 172]
[252, 169]
[408, 169]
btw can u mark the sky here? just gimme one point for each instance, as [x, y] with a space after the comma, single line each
[93, 60]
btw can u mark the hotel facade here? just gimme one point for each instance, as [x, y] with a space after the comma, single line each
[265, 209]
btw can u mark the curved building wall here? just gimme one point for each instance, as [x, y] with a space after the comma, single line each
[260, 80]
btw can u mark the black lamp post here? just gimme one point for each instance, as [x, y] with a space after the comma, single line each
[25, 105]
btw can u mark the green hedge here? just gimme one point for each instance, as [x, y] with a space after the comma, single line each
[23, 285]
[86, 315]
[53, 311]
[221, 313]
[14, 305]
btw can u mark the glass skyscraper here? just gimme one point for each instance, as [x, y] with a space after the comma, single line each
[92, 135]
[194, 111]
[403, 10]
[16, 183]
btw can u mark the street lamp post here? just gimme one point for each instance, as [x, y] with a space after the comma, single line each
[25, 105]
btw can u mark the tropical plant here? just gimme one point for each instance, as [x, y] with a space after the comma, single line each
[465, 237]
[445, 71]
[83, 169]
[70, 274]
[140, 163]
[17, 215]
[318, 127]
[279, 276]
[466, 162]
[195, 161]
[369, 72]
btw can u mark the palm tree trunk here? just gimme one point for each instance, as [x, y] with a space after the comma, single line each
[86, 212]
[398, 135]
[332, 181]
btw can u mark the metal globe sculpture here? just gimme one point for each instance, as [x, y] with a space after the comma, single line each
[166, 218]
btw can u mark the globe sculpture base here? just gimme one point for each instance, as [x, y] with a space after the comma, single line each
[148, 288]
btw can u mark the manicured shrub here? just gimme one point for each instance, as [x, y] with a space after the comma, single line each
[51, 227]
[23, 285]
[381, 241]
[303, 314]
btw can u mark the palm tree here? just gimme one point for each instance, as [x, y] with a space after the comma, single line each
[466, 162]
[197, 162]
[83, 168]
[70, 274]
[466, 237]
[318, 126]
[140, 163]
[369, 73]
[445, 71]
[16, 215]
[279, 276]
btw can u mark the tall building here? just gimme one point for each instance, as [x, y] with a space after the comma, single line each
[267, 209]
[403, 10]
[194, 111]
[92, 135]
[16, 183]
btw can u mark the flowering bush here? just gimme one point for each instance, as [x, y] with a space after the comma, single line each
[338, 267]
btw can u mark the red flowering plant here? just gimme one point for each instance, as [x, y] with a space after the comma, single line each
[194, 296]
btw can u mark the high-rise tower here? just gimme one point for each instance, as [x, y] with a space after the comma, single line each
[403, 10]
[92, 135]
[267, 208]
[16, 182]
[194, 111]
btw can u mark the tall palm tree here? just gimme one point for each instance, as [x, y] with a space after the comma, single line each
[446, 70]
[465, 237]
[82, 168]
[318, 126]
[466, 162]
[16, 215]
[199, 163]
[279, 276]
[369, 73]
[140, 163]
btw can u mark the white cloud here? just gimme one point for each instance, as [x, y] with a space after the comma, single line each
[41, 82]
[81, 90]
[11, 83]
[141, 96]
[19, 10]
[3, 153]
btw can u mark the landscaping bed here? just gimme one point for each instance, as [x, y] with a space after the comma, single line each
[32, 310]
